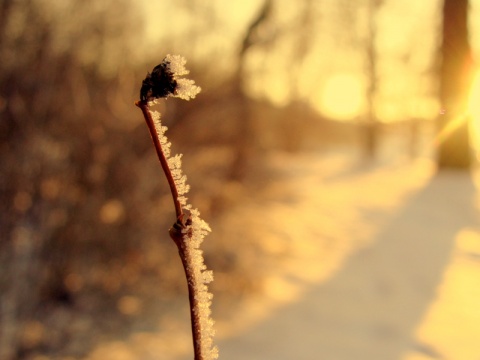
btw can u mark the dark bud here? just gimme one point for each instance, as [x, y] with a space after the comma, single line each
[178, 226]
[176, 231]
[159, 83]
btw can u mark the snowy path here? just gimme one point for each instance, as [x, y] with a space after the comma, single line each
[376, 262]
[408, 231]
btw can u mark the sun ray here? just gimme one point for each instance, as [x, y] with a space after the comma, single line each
[449, 128]
[472, 115]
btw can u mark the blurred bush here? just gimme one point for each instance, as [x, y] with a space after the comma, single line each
[84, 211]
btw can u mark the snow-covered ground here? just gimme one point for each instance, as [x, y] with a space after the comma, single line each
[386, 265]
[373, 262]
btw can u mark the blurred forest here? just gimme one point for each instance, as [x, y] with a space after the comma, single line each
[84, 209]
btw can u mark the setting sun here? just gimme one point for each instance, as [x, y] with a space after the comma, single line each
[341, 97]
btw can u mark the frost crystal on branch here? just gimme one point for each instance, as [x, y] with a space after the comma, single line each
[165, 81]
[160, 130]
[196, 229]
[176, 64]
[193, 236]
[175, 165]
[186, 89]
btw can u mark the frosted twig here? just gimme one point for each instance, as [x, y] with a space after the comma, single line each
[187, 233]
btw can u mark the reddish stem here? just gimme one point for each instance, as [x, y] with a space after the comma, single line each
[177, 235]
[161, 156]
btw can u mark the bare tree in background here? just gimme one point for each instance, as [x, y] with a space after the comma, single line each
[371, 124]
[455, 80]
[366, 43]
[56, 98]
[246, 133]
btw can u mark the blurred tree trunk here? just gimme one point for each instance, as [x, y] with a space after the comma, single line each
[245, 137]
[371, 125]
[455, 81]
[303, 27]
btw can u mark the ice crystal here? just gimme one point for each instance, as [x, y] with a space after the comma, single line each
[193, 236]
[160, 129]
[165, 80]
[175, 165]
[186, 89]
[176, 65]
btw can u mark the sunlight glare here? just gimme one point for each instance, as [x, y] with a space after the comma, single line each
[341, 97]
